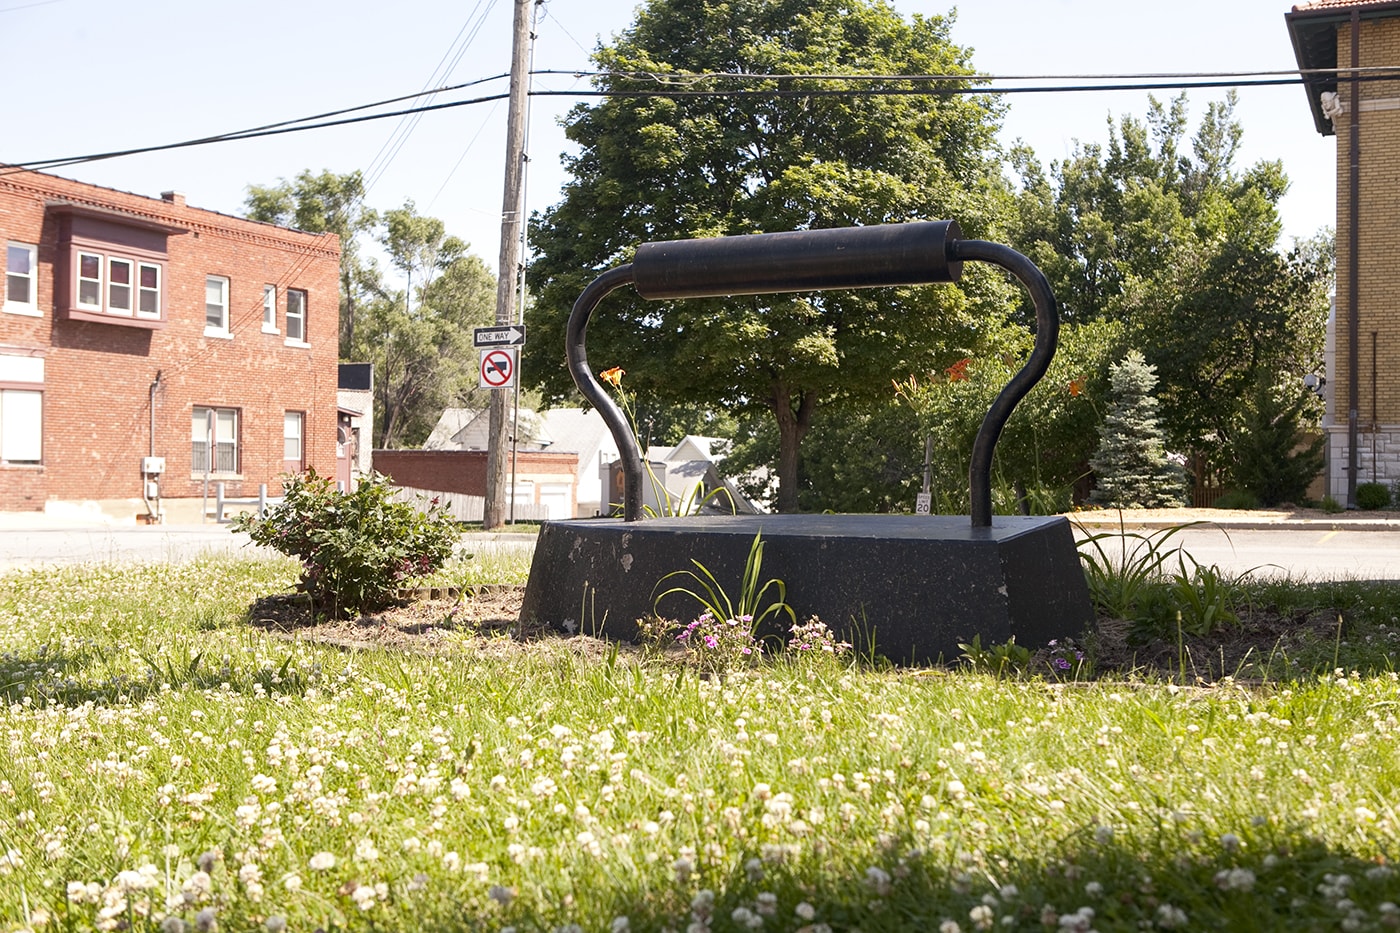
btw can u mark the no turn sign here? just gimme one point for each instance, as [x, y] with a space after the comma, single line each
[498, 368]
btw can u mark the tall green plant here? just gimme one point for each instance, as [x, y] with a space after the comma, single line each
[1120, 577]
[356, 548]
[712, 597]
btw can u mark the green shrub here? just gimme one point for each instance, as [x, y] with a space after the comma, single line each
[1238, 499]
[1330, 505]
[1271, 453]
[1371, 496]
[356, 548]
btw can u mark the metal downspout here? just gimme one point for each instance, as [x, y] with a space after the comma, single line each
[1353, 258]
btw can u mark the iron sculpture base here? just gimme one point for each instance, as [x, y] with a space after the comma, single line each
[914, 586]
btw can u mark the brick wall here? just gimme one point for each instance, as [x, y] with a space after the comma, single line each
[1378, 291]
[464, 471]
[98, 376]
[1379, 243]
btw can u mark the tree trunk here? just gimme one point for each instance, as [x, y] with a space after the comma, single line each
[792, 427]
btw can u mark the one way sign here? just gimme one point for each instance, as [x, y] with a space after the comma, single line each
[508, 335]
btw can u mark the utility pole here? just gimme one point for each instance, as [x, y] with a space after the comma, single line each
[508, 269]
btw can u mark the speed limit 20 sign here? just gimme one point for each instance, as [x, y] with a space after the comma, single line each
[498, 368]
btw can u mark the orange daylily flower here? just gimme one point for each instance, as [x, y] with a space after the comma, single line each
[1076, 386]
[613, 377]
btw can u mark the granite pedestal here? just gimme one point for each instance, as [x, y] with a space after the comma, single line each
[914, 586]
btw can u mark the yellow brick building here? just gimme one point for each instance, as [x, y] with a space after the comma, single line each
[1349, 53]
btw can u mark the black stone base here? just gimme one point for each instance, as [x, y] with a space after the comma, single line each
[913, 585]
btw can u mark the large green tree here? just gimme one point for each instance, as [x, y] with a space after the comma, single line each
[420, 339]
[325, 203]
[1167, 235]
[773, 152]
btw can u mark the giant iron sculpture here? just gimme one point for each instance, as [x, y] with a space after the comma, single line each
[917, 585]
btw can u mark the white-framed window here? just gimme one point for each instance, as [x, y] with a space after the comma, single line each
[90, 281]
[296, 315]
[110, 285]
[148, 290]
[293, 444]
[269, 309]
[214, 440]
[216, 306]
[21, 426]
[120, 287]
[22, 279]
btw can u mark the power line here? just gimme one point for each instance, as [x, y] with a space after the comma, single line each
[270, 129]
[448, 64]
[1340, 75]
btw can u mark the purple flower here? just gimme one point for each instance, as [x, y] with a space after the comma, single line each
[711, 641]
[1062, 664]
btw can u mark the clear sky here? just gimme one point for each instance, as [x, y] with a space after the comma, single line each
[96, 75]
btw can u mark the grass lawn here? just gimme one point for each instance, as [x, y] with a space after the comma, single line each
[167, 765]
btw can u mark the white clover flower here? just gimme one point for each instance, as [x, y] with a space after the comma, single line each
[1169, 917]
[322, 861]
[172, 924]
[1229, 842]
[766, 903]
[620, 925]
[365, 850]
[206, 921]
[878, 880]
[753, 868]
[1235, 879]
[1009, 892]
[363, 896]
[1103, 835]
[501, 894]
[982, 917]
[949, 926]
[805, 911]
[684, 867]
[1093, 889]
[291, 882]
[275, 924]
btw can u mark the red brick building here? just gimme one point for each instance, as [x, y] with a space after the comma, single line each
[150, 350]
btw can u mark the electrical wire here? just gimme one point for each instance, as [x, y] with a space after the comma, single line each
[395, 143]
[269, 129]
[1340, 75]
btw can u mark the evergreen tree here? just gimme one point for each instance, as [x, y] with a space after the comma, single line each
[1271, 458]
[1131, 463]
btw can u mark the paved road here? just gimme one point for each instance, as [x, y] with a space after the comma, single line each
[48, 546]
[1308, 552]
[1301, 553]
[28, 547]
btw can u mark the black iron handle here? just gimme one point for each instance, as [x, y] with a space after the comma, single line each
[798, 261]
[814, 260]
[1047, 335]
